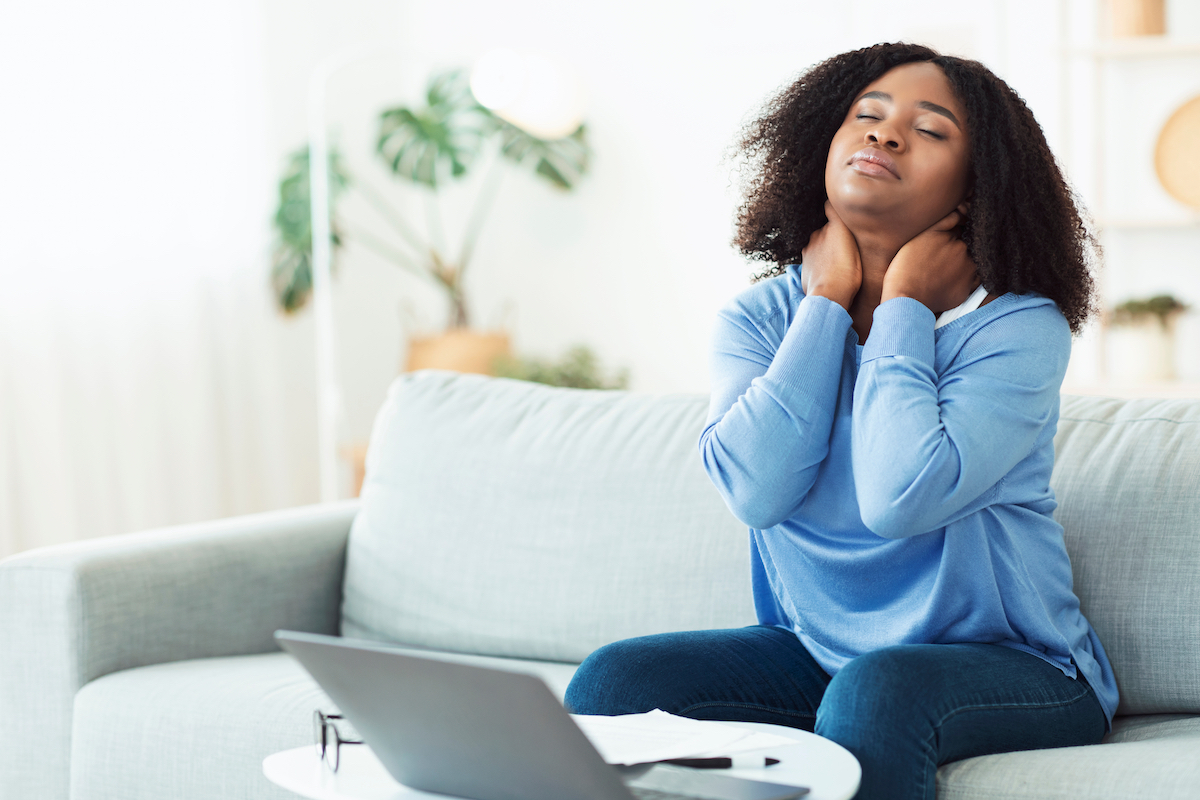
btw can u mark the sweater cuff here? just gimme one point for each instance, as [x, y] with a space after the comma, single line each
[901, 327]
[813, 346]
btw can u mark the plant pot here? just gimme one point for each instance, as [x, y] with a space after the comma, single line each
[458, 349]
[1142, 351]
[1137, 18]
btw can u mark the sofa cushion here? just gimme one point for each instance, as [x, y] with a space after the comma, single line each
[1142, 757]
[198, 730]
[515, 519]
[190, 729]
[1127, 478]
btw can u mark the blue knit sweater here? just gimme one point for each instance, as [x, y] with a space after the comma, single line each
[899, 492]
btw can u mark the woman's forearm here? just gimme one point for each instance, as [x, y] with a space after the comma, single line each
[927, 447]
[772, 409]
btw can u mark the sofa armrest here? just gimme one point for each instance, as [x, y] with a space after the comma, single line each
[72, 613]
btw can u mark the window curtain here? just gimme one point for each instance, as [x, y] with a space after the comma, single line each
[145, 377]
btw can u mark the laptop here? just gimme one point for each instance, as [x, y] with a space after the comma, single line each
[485, 734]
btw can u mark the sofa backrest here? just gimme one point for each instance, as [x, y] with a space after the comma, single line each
[1127, 478]
[514, 519]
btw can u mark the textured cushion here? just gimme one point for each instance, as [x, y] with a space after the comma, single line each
[75, 612]
[515, 519]
[1142, 757]
[199, 730]
[190, 729]
[196, 730]
[1127, 477]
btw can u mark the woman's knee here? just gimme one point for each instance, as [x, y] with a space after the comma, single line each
[885, 689]
[879, 708]
[618, 678]
[677, 671]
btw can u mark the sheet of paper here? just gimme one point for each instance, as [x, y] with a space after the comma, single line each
[657, 735]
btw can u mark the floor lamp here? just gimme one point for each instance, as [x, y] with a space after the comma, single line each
[329, 395]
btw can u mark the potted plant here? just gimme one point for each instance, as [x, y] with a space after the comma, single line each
[428, 147]
[1142, 338]
[578, 369]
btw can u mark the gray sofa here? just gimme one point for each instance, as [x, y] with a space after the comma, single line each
[509, 521]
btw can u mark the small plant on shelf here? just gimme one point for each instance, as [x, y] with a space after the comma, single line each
[1141, 339]
[1163, 307]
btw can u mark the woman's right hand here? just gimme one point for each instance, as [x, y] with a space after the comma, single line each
[832, 266]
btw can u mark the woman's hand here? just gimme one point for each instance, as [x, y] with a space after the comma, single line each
[832, 266]
[933, 268]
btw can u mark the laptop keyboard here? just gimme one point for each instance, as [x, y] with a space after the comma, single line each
[643, 793]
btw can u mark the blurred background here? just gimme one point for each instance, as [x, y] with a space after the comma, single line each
[148, 374]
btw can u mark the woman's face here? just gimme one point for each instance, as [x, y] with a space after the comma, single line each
[900, 161]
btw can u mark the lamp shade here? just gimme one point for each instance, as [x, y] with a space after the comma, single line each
[530, 91]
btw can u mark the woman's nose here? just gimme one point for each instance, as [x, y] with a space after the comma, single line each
[886, 135]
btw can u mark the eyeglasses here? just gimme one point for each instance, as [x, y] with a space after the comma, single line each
[329, 739]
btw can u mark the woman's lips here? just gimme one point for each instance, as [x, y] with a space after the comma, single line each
[874, 162]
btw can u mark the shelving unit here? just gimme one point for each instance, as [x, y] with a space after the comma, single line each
[1118, 50]
[1139, 47]
[1116, 219]
[1149, 223]
[1189, 389]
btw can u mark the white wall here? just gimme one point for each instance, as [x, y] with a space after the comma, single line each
[143, 374]
[636, 262]
[144, 377]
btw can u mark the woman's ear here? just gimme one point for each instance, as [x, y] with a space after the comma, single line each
[964, 207]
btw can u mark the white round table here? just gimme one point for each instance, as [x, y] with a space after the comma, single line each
[828, 769]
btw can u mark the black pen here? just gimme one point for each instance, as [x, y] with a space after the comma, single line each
[723, 762]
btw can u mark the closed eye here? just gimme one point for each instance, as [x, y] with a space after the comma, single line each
[934, 134]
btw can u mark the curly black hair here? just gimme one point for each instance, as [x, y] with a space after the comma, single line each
[1025, 228]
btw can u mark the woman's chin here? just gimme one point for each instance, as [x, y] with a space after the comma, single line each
[873, 216]
[881, 215]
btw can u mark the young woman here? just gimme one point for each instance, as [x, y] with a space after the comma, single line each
[882, 418]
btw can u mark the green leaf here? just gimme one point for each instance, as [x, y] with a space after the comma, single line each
[579, 369]
[291, 278]
[441, 140]
[1162, 306]
[291, 265]
[562, 162]
[548, 171]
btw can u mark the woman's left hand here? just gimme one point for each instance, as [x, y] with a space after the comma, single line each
[933, 268]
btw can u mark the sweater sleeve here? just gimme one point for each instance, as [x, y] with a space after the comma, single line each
[926, 446]
[772, 407]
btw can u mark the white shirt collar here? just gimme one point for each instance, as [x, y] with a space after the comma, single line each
[973, 302]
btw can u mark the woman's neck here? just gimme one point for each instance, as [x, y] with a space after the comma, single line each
[876, 253]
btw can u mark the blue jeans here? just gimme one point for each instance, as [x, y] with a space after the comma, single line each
[902, 711]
